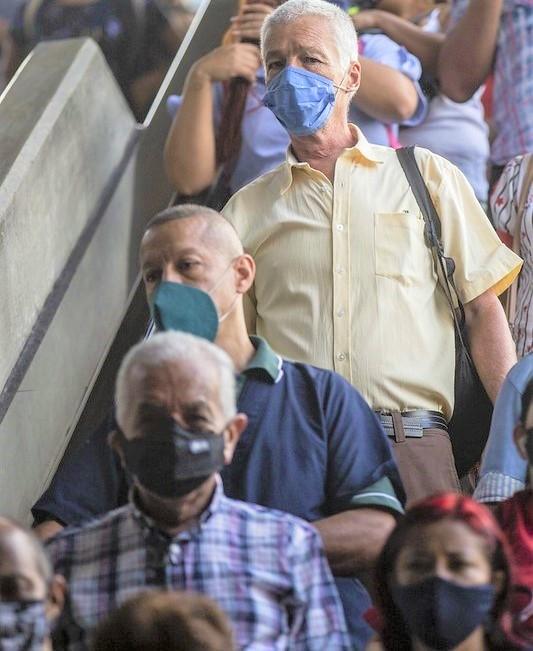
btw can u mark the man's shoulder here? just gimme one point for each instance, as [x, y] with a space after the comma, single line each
[85, 536]
[265, 521]
[521, 373]
[266, 185]
[324, 380]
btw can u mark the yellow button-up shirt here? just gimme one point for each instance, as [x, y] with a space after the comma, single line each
[345, 280]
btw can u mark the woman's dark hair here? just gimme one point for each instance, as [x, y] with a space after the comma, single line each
[446, 506]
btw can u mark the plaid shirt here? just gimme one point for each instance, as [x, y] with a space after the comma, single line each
[513, 80]
[266, 569]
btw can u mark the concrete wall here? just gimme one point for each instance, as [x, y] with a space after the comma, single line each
[65, 129]
[64, 113]
[78, 180]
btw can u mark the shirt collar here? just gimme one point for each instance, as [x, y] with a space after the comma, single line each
[150, 527]
[361, 152]
[265, 362]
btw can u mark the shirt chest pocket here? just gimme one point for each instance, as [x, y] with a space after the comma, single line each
[400, 249]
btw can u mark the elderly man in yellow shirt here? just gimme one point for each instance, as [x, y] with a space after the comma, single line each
[344, 279]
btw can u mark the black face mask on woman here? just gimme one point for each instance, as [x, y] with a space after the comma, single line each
[172, 461]
[440, 613]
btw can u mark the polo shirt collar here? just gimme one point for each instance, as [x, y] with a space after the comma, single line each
[361, 151]
[265, 363]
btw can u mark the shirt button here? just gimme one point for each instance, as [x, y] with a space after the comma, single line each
[339, 269]
[341, 357]
[340, 312]
[340, 227]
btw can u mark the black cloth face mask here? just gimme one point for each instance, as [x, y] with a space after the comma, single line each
[172, 462]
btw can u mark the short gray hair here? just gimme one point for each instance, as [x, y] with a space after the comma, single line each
[169, 348]
[340, 22]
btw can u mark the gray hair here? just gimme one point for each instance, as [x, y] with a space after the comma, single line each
[169, 348]
[341, 24]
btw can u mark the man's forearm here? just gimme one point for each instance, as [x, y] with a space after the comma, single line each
[491, 344]
[353, 539]
[467, 53]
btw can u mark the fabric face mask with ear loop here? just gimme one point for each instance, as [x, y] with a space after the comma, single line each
[23, 625]
[441, 613]
[172, 462]
[175, 306]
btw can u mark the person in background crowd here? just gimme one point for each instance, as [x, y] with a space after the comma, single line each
[325, 455]
[31, 597]
[177, 426]
[135, 38]
[210, 133]
[494, 35]
[366, 303]
[455, 131]
[443, 579]
[503, 472]
[512, 212]
[516, 519]
[169, 621]
[179, 14]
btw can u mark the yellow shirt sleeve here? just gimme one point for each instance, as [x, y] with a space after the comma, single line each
[482, 261]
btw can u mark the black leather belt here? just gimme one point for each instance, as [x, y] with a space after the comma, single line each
[414, 422]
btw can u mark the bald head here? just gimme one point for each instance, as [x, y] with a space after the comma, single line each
[195, 246]
[211, 228]
[23, 563]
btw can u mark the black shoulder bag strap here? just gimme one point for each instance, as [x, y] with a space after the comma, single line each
[445, 266]
[470, 423]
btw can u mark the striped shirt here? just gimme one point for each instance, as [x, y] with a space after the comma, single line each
[505, 201]
[266, 569]
[513, 80]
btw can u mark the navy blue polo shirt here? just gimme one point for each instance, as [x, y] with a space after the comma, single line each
[312, 448]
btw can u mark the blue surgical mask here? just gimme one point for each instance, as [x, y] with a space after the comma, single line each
[301, 100]
[442, 614]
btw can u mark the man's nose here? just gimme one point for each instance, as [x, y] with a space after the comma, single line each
[293, 61]
[171, 274]
[443, 571]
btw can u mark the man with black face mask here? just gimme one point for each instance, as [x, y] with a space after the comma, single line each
[31, 597]
[312, 446]
[177, 427]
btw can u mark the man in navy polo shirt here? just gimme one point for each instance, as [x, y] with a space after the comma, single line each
[312, 447]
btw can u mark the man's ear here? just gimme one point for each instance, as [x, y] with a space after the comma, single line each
[113, 440]
[244, 267]
[353, 79]
[232, 434]
[519, 436]
[56, 597]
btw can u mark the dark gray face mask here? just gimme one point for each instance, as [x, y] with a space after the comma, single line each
[23, 625]
[173, 462]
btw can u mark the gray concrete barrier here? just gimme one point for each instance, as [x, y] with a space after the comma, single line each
[78, 180]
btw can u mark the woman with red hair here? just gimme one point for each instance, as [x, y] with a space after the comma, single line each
[443, 579]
